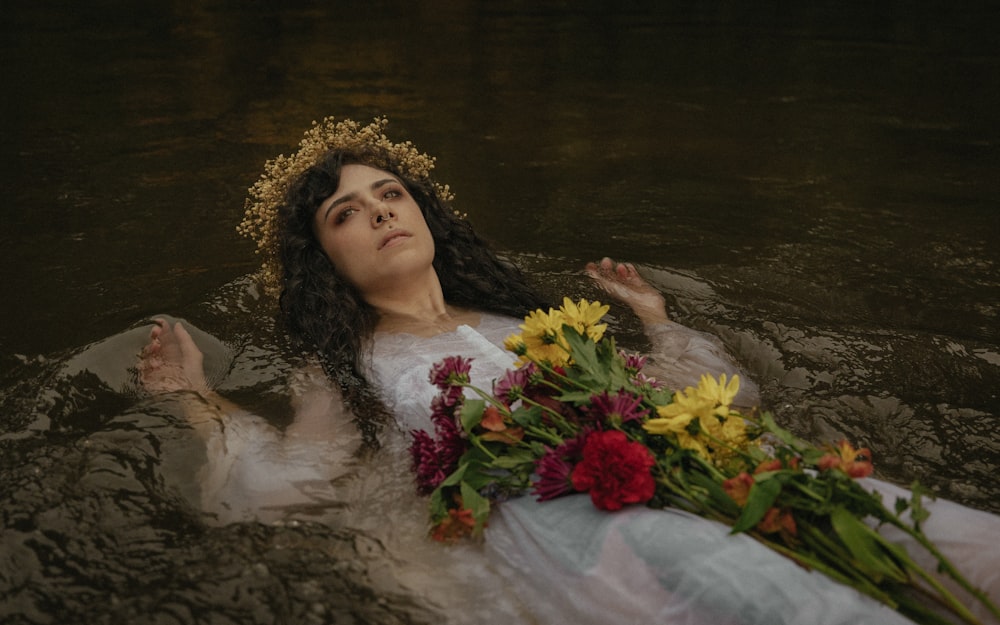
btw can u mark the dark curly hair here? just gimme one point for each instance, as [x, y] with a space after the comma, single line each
[324, 311]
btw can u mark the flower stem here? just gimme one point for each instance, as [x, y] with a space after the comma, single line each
[945, 566]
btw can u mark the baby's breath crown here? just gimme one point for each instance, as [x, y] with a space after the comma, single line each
[260, 220]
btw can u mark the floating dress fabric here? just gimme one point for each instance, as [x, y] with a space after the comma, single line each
[572, 563]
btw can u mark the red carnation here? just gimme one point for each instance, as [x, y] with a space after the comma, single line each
[615, 470]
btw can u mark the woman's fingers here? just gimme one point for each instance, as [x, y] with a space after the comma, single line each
[192, 358]
[622, 280]
[186, 344]
[172, 360]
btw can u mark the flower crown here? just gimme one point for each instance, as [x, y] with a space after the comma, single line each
[260, 219]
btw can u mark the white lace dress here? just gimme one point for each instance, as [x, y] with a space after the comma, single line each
[571, 563]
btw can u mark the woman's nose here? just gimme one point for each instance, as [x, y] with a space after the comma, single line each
[381, 216]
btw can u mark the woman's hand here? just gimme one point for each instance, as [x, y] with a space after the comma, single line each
[171, 361]
[623, 282]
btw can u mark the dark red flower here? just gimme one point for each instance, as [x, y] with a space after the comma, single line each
[426, 463]
[615, 471]
[555, 468]
[434, 458]
[616, 409]
[512, 385]
[451, 371]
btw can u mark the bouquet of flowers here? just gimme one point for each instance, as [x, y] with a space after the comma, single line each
[578, 415]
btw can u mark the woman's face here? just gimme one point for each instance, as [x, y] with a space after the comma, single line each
[373, 231]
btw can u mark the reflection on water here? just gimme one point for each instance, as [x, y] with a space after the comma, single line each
[814, 184]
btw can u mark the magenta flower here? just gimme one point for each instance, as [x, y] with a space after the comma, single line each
[512, 385]
[633, 362]
[645, 383]
[434, 458]
[617, 409]
[425, 462]
[452, 371]
[448, 400]
[555, 468]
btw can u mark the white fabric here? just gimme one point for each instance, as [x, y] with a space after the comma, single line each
[571, 563]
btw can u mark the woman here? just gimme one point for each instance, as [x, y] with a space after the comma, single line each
[383, 279]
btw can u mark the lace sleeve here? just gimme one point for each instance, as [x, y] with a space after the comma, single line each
[680, 356]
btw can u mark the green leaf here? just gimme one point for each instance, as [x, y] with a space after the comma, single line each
[509, 463]
[918, 513]
[438, 509]
[537, 449]
[901, 505]
[620, 378]
[660, 397]
[456, 475]
[576, 397]
[583, 350]
[479, 505]
[472, 413]
[527, 417]
[864, 545]
[759, 501]
[514, 459]
[589, 370]
[477, 479]
[767, 419]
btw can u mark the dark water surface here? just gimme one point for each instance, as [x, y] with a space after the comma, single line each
[816, 183]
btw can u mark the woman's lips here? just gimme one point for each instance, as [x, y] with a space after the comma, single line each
[394, 238]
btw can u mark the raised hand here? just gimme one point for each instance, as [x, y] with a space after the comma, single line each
[171, 361]
[623, 282]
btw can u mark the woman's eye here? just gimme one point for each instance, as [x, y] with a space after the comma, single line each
[344, 214]
[391, 193]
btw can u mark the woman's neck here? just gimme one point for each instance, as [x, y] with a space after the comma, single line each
[417, 307]
[425, 322]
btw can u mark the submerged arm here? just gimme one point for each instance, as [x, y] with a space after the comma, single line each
[253, 470]
[680, 355]
[173, 363]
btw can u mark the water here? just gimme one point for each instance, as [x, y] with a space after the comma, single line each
[814, 184]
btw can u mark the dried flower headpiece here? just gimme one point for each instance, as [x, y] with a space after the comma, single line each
[260, 221]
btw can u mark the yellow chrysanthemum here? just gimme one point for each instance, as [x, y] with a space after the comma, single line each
[718, 392]
[709, 404]
[584, 317]
[542, 338]
[694, 443]
[733, 430]
[726, 435]
[676, 416]
[515, 343]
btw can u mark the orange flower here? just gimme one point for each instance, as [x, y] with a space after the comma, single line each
[458, 523]
[493, 420]
[738, 488]
[498, 431]
[778, 521]
[769, 465]
[511, 436]
[853, 462]
[776, 464]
